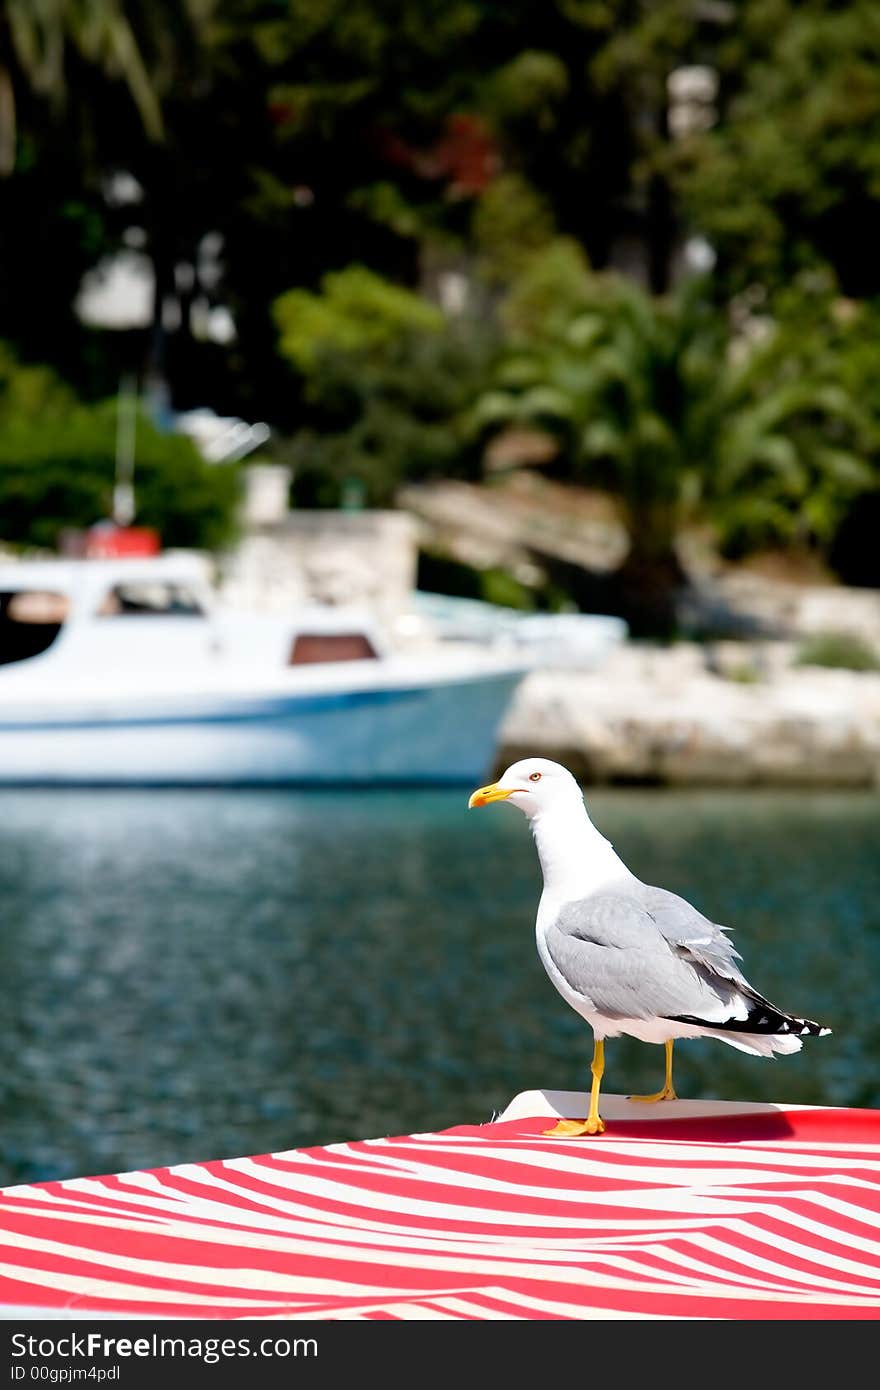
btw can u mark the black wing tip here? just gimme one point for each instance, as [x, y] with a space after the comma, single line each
[764, 1019]
[806, 1027]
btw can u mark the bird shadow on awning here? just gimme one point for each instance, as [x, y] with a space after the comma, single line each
[770, 1125]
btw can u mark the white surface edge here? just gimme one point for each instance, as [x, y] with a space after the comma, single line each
[574, 1104]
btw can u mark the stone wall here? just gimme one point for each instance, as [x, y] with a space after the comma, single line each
[332, 557]
[742, 602]
[665, 716]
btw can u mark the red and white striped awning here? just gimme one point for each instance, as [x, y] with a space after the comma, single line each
[681, 1210]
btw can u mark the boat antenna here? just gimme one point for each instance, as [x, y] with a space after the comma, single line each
[126, 434]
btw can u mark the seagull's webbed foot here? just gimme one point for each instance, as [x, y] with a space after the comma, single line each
[668, 1093]
[668, 1090]
[593, 1124]
[569, 1129]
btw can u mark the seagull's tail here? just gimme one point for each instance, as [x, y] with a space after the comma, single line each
[758, 1044]
[764, 1029]
[764, 1017]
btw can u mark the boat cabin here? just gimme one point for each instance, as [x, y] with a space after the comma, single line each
[130, 613]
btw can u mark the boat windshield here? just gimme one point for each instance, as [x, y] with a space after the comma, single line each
[30, 620]
[150, 598]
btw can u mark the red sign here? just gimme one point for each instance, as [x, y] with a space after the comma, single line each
[120, 542]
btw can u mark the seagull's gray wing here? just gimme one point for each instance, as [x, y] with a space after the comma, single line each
[695, 936]
[611, 949]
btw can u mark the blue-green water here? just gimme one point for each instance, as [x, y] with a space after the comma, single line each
[191, 975]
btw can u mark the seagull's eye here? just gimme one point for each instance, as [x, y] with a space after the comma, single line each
[534, 776]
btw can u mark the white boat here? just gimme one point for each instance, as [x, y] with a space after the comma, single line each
[127, 672]
[574, 641]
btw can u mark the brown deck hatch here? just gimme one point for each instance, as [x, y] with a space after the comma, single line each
[310, 647]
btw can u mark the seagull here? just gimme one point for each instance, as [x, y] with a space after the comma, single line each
[628, 957]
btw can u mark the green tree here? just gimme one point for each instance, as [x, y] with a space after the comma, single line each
[627, 385]
[39, 43]
[789, 175]
[657, 400]
[58, 460]
[308, 136]
[30, 392]
[799, 424]
[85, 93]
[356, 312]
[386, 383]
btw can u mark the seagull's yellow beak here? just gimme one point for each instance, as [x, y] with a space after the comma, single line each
[483, 795]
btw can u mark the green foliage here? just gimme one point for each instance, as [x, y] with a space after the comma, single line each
[843, 651]
[501, 587]
[520, 145]
[799, 440]
[744, 674]
[624, 381]
[767, 427]
[530, 87]
[57, 468]
[388, 416]
[511, 223]
[355, 312]
[30, 392]
[386, 384]
[440, 573]
[790, 175]
[44, 41]
[549, 289]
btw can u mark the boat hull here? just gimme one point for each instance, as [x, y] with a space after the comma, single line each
[395, 734]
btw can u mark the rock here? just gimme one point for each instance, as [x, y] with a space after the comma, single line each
[655, 715]
[507, 523]
[743, 603]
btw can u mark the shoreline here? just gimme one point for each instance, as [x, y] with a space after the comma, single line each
[683, 716]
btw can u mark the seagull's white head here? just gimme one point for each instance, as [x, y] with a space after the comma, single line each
[576, 859]
[535, 786]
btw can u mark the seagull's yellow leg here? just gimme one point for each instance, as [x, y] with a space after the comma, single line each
[593, 1124]
[668, 1092]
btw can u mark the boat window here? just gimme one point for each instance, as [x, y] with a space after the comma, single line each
[311, 647]
[30, 620]
[149, 598]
